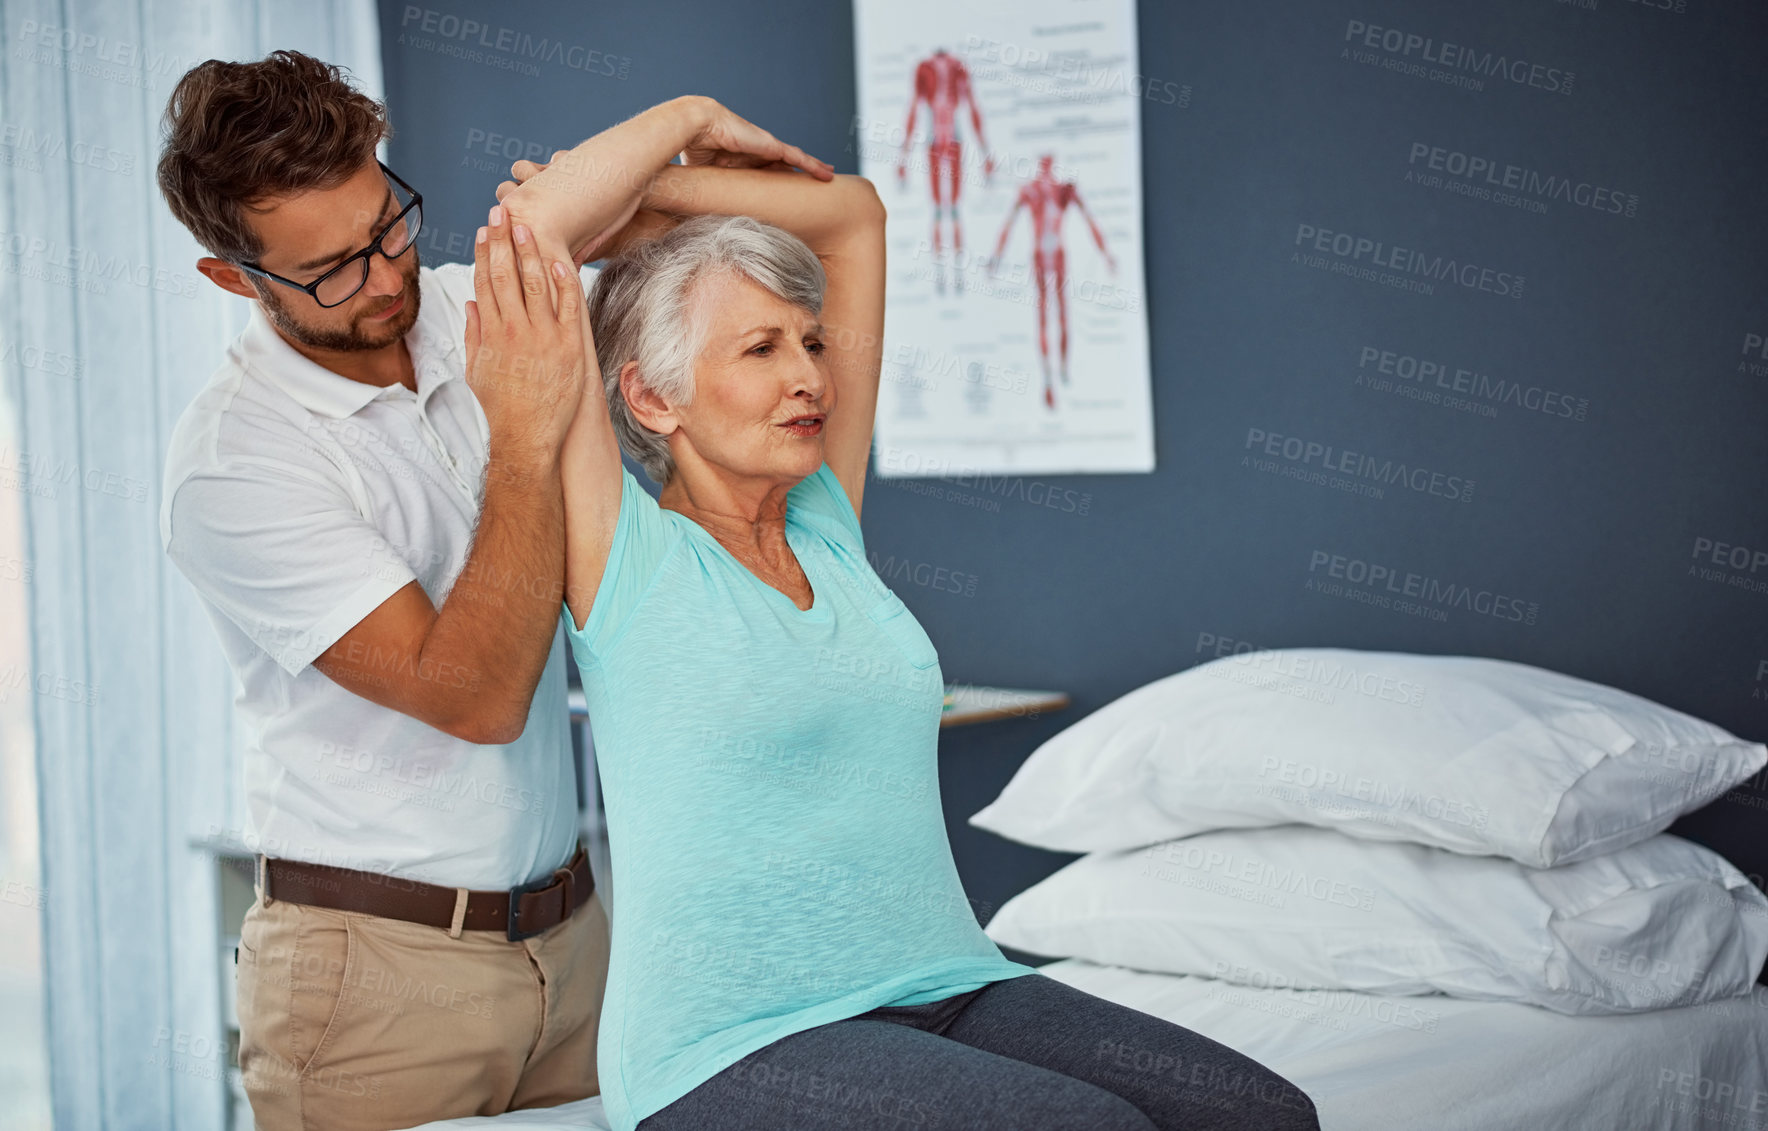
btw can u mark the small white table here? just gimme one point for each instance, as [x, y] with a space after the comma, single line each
[967, 703]
[964, 703]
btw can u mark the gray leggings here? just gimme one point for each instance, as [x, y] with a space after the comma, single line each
[1025, 1054]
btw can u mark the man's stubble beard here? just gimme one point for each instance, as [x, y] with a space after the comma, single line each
[362, 335]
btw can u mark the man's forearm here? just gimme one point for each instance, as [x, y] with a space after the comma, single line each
[499, 618]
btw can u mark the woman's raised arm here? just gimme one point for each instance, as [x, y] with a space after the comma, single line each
[589, 469]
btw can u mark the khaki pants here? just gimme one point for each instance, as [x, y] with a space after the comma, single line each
[353, 1022]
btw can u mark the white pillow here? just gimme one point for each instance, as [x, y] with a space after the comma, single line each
[1480, 756]
[1660, 923]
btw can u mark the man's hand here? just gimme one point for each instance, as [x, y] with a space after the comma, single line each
[527, 354]
[640, 224]
[634, 226]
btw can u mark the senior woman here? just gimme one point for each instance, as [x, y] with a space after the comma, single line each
[792, 946]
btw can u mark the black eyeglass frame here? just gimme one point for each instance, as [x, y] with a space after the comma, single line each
[374, 247]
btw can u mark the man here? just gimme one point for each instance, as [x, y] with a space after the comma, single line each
[374, 522]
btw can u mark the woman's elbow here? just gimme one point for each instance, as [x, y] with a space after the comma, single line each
[866, 210]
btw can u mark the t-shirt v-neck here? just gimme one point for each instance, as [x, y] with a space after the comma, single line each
[819, 608]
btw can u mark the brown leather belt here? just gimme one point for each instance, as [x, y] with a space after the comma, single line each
[521, 912]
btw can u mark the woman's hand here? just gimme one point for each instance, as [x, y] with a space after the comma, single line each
[731, 141]
[529, 350]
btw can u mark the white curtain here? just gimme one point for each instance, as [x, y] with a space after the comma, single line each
[107, 331]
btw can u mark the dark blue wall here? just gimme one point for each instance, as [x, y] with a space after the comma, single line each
[1641, 314]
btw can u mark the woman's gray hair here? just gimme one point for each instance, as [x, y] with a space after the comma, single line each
[640, 310]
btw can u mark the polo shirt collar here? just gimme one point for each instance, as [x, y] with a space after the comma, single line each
[319, 390]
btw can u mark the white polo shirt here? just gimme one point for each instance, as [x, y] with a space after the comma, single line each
[296, 501]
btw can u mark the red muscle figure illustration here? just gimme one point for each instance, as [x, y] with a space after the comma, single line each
[1047, 200]
[943, 83]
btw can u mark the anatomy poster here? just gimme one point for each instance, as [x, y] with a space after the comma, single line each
[1003, 139]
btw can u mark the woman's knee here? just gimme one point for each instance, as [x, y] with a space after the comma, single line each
[1108, 1112]
[1240, 1094]
[1281, 1106]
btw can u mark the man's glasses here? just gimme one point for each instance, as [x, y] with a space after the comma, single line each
[341, 283]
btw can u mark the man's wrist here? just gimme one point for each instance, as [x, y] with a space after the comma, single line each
[521, 464]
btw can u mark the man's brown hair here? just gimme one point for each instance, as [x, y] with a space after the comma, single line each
[238, 133]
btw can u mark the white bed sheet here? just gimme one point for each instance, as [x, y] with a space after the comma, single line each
[1377, 1063]
[1380, 1063]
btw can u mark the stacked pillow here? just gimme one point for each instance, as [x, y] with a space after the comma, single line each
[1477, 827]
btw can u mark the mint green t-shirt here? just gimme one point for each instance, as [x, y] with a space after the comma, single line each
[773, 799]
